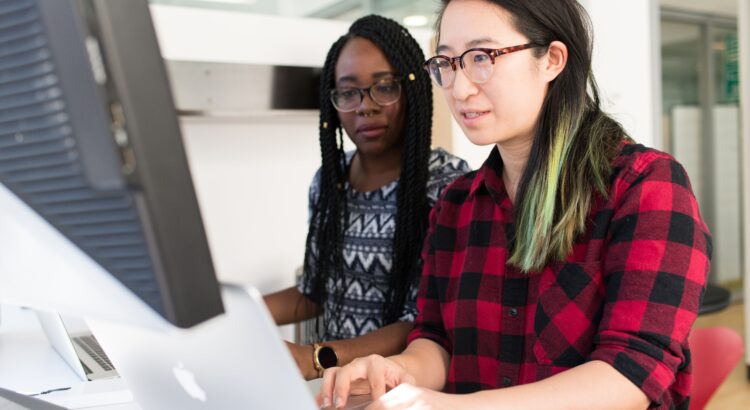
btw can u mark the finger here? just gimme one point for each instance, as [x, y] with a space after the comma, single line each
[395, 375]
[326, 387]
[359, 387]
[319, 400]
[355, 370]
[341, 387]
[376, 377]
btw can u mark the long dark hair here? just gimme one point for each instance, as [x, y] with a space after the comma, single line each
[330, 211]
[553, 201]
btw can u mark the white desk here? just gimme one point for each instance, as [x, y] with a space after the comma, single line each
[29, 365]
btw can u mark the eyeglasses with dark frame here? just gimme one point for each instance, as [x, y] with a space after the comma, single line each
[384, 92]
[476, 63]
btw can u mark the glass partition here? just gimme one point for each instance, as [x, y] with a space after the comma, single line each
[700, 116]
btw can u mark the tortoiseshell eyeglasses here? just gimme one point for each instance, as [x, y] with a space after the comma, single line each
[477, 64]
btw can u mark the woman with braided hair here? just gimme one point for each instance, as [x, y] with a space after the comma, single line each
[369, 207]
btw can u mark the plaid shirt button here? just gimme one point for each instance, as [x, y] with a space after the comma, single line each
[513, 312]
[507, 381]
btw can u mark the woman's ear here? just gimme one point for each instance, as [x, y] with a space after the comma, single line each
[554, 61]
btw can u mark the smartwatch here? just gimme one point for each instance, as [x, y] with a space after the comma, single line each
[324, 357]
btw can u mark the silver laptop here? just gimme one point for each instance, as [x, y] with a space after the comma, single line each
[77, 346]
[236, 360]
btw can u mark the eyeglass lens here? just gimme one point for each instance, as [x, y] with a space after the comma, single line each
[384, 92]
[477, 65]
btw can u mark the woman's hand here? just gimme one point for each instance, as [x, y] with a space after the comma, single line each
[303, 355]
[367, 375]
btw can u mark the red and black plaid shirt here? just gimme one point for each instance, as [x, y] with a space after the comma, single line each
[627, 294]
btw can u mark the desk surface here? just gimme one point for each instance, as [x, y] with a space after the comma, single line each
[29, 365]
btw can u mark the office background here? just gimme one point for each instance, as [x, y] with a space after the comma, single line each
[668, 70]
[237, 149]
[672, 71]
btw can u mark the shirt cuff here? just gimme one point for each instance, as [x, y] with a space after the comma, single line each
[423, 332]
[647, 373]
[308, 293]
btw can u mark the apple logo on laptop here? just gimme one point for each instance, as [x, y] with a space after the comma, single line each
[186, 378]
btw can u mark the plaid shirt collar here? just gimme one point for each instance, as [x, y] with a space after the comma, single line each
[490, 177]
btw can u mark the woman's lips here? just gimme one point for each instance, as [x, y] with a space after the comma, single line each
[471, 117]
[371, 131]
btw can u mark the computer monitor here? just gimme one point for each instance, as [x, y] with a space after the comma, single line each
[98, 215]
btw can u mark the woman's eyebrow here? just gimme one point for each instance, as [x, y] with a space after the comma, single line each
[471, 44]
[353, 78]
[382, 74]
[346, 79]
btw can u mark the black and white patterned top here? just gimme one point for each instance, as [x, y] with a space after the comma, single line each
[367, 250]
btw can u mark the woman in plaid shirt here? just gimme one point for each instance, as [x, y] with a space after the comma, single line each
[567, 271]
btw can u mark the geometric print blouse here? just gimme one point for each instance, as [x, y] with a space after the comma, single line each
[367, 247]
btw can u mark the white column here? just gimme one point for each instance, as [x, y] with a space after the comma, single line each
[743, 20]
[627, 64]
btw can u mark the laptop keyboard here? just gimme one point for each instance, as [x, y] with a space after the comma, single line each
[92, 347]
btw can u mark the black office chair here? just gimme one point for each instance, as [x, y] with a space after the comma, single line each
[715, 299]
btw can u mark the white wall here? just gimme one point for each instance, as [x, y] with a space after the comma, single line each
[236, 37]
[252, 172]
[252, 179]
[627, 64]
[198, 34]
[251, 176]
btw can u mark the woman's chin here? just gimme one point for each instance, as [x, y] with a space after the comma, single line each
[480, 140]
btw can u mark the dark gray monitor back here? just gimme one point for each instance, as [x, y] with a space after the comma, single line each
[89, 139]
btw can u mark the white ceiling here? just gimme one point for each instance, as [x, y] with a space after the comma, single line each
[351, 9]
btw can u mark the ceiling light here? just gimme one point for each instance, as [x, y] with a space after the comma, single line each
[246, 2]
[415, 21]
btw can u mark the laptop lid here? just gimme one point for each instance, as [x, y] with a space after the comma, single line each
[235, 360]
[57, 335]
[76, 346]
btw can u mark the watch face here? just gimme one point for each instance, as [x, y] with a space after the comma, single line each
[327, 357]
